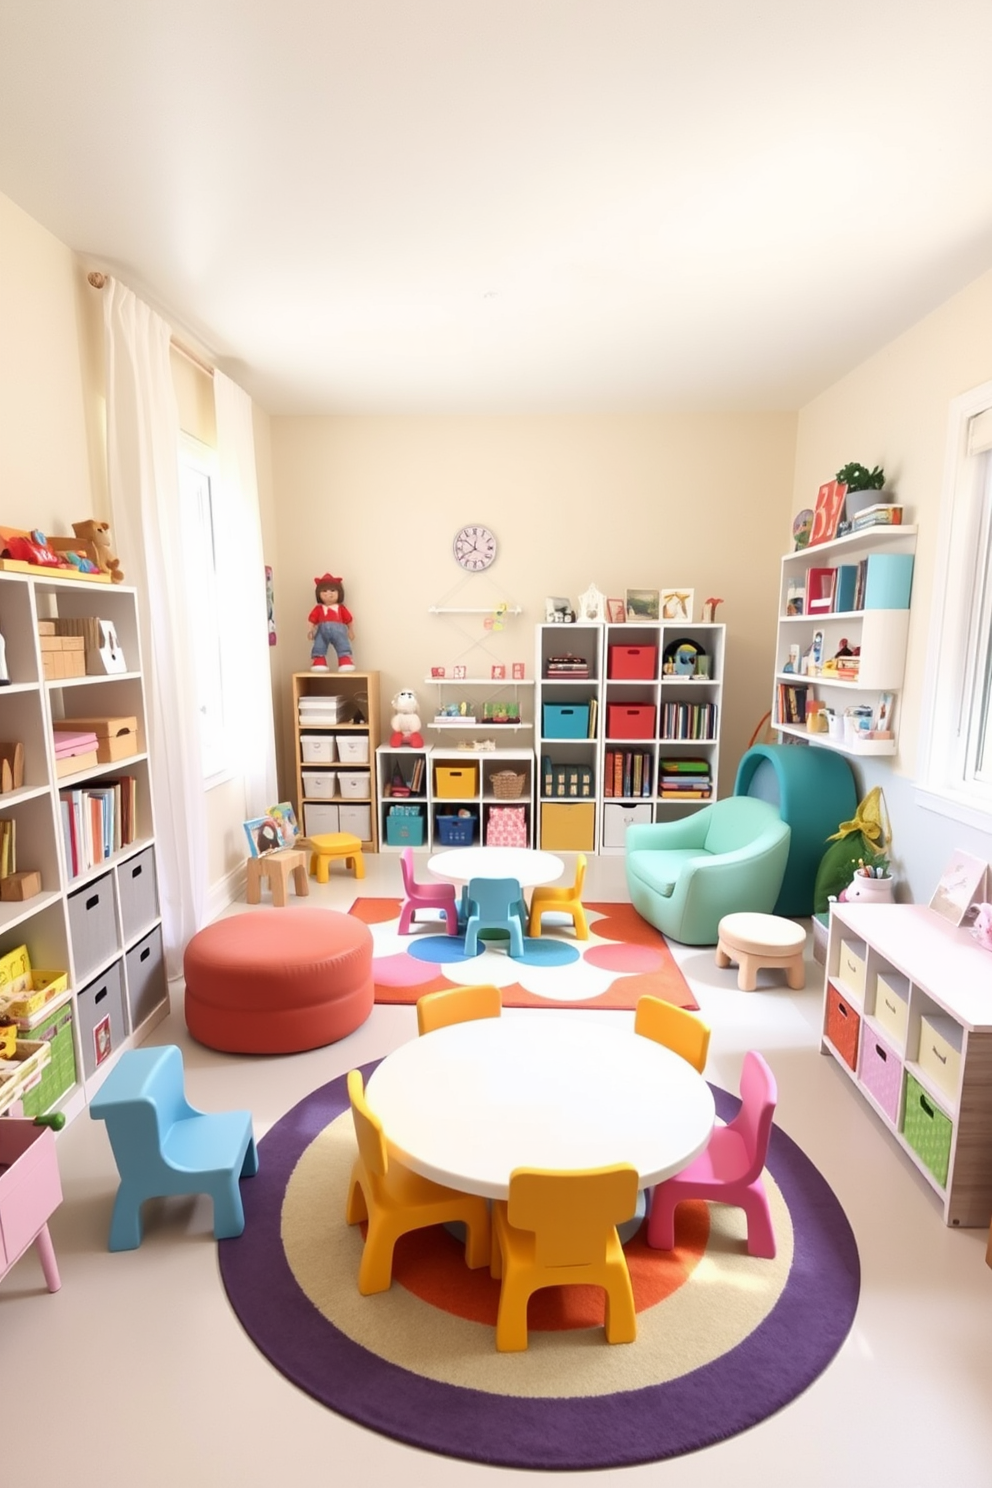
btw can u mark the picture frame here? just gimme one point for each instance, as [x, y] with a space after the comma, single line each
[962, 884]
[519, 671]
[642, 605]
[497, 672]
[616, 611]
[459, 673]
[558, 609]
[676, 604]
[437, 672]
[882, 720]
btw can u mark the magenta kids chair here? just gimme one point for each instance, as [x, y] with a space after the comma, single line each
[729, 1171]
[439, 898]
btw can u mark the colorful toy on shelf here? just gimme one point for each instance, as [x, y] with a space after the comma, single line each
[405, 722]
[330, 625]
[97, 534]
[982, 928]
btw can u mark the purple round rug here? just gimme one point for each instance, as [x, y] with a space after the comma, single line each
[748, 1375]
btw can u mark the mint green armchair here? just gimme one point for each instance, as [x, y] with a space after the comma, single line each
[684, 876]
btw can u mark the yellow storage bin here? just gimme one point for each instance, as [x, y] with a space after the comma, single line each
[568, 826]
[456, 782]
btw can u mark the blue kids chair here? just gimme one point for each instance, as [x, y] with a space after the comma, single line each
[163, 1146]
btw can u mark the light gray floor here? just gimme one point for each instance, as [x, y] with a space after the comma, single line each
[138, 1373]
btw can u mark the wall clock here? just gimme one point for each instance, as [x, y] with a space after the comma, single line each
[474, 547]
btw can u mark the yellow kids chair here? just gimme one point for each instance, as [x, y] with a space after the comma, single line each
[394, 1201]
[567, 901]
[457, 1005]
[677, 1029]
[559, 1229]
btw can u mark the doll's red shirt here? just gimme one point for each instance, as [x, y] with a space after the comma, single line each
[339, 613]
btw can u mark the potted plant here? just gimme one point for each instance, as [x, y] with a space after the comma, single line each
[862, 485]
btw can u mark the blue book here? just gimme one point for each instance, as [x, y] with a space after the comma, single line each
[889, 581]
[845, 587]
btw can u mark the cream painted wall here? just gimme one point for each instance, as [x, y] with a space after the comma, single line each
[621, 500]
[893, 411]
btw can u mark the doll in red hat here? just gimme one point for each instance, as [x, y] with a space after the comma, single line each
[330, 625]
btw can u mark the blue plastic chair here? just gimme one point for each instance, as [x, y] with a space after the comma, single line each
[162, 1145]
[495, 904]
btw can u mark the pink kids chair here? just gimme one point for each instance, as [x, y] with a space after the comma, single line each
[439, 898]
[729, 1171]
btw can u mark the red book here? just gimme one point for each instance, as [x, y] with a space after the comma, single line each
[826, 517]
[820, 583]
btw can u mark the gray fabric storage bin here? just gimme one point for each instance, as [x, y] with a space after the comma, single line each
[93, 926]
[147, 985]
[137, 885]
[100, 1006]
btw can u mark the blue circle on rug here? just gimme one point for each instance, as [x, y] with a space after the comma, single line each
[779, 1359]
[538, 951]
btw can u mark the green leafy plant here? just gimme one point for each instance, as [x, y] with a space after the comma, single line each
[859, 478]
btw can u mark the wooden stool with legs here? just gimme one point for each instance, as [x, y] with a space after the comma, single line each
[277, 868]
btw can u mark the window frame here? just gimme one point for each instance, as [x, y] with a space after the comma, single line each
[958, 686]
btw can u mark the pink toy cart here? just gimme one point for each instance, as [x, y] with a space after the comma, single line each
[30, 1192]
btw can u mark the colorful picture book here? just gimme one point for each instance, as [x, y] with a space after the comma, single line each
[277, 828]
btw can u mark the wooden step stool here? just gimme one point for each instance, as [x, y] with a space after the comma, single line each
[277, 867]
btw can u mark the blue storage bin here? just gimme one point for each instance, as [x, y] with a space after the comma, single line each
[404, 830]
[455, 831]
[566, 720]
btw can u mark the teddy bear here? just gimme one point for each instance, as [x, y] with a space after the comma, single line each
[405, 721]
[982, 928]
[98, 533]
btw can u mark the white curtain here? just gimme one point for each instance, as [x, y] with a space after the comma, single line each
[142, 462]
[241, 585]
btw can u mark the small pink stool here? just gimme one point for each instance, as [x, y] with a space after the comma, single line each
[755, 940]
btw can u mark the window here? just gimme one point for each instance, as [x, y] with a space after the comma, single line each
[957, 772]
[197, 472]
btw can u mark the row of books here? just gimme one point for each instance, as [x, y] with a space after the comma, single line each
[628, 772]
[8, 857]
[792, 703]
[686, 778]
[401, 786]
[97, 821]
[882, 581]
[688, 720]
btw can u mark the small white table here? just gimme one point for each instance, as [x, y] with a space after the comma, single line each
[528, 866]
[467, 1104]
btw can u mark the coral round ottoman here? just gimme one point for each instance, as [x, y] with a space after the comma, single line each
[264, 983]
[756, 940]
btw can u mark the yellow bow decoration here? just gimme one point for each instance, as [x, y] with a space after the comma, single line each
[871, 819]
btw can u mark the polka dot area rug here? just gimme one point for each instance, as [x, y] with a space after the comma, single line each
[724, 1339]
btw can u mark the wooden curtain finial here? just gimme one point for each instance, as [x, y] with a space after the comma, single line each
[97, 279]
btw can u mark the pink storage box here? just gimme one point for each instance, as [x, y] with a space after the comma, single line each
[68, 744]
[880, 1072]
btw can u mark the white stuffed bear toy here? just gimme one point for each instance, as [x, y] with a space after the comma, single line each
[405, 721]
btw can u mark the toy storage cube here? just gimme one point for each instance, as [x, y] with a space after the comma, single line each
[566, 720]
[357, 820]
[568, 826]
[507, 826]
[616, 820]
[354, 785]
[892, 1005]
[93, 925]
[941, 1041]
[318, 749]
[880, 1072]
[455, 831]
[927, 1130]
[404, 831]
[636, 663]
[101, 1018]
[320, 783]
[630, 720]
[851, 967]
[58, 1076]
[320, 818]
[137, 885]
[456, 782]
[353, 749]
[843, 1027]
[147, 986]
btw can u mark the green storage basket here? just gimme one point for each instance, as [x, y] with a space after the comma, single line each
[927, 1130]
[59, 1075]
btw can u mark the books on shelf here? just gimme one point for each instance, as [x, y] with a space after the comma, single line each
[688, 720]
[97, 821]
[820, 584]
[792, 703]
[882, 514]
[627, 773]
[684, 778]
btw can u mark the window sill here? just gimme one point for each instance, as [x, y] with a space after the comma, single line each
[959, 808]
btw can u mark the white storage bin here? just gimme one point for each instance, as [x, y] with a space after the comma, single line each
[853, 966]
[320, 818]
[354, 749]
[616, 820]
[354, 784]
[322, 783]
[892, 1005]
[317, 709]
[355, 819]
[941, 1041]
[317, 749]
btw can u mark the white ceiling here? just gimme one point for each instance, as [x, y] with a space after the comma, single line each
[511, 205]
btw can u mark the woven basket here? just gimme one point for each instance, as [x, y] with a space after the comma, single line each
[507, 786]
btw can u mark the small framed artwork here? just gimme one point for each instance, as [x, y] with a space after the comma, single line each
[437, 671]
[961, 884]
[676, 604]
[519, 671]
[459, 673]
[616, 611]
[643, 604]
[882, 721]
[557, 609]
[498, 672]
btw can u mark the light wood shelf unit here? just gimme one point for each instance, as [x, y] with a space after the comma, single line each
[945, 977]
[333, 812]
[102, 925]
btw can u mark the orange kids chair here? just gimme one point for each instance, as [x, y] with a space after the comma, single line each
[567, 901]
[559, 1229]
[457, 1005]
[675, 1028]
[394, 1201]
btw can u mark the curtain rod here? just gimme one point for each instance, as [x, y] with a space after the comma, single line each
[98, 280]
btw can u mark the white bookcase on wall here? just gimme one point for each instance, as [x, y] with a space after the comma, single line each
[100, 924]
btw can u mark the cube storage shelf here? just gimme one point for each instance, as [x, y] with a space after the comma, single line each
[614, 704]
[335, 776]
[907, 1016]
[449, 782]
[102, 925]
